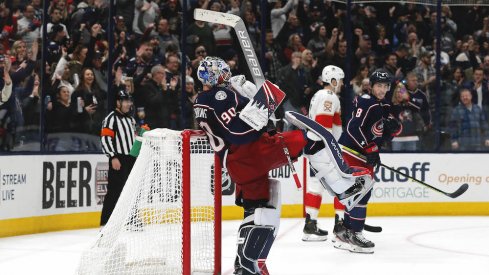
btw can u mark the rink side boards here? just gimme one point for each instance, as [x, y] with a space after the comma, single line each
[59, 192]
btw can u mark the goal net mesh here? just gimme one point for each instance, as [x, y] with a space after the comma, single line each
[144, 233]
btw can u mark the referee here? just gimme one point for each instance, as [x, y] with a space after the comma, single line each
[117, 135]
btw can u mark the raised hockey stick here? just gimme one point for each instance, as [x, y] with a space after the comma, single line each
[251, 58]
[453, 195]
[239, 27]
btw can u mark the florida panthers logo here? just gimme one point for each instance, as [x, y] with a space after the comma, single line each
[378, 128]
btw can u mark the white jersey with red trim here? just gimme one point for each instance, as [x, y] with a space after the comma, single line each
[326, 110]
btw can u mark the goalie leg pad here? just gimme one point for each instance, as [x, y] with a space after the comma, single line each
[270, 215]
[252, 241]
[328, 174]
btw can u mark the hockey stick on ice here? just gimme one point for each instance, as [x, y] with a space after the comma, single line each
[453, 195]
[372, 228]
[239, 27]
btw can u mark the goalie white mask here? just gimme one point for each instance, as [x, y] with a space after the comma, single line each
[213, 71]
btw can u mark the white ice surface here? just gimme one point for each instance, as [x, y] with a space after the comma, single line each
[408, 245]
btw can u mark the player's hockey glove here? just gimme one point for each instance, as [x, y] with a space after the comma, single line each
[372, 155]
[392, 126]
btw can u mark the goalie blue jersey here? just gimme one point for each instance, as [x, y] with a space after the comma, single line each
[366, 124]
[217, 113]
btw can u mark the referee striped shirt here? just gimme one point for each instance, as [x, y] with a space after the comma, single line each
[118, 134]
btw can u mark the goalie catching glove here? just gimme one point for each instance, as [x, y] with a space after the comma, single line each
[243, 87]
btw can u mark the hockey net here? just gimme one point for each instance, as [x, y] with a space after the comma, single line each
[167, 219]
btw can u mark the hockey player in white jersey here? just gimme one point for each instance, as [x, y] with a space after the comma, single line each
[326, 110]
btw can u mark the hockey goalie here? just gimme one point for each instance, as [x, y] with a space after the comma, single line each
[234, 114]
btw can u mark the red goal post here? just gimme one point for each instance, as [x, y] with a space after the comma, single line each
[168, 217]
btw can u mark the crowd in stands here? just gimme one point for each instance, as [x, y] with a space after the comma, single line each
[301, 37]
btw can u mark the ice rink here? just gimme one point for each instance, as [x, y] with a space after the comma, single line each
[407, 245]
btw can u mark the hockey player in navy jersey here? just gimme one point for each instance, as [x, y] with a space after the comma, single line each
[249, 152]
[370, 126]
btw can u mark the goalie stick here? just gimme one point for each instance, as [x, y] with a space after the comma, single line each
[267, 99]
[239, 27]
[453, 195]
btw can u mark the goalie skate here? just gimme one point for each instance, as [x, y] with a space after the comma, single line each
[363, 182]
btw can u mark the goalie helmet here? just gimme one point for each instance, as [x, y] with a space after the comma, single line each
[213, 71]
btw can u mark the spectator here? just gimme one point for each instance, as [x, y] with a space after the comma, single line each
[418, 100]
[320, 46]
[293, 26]
[390, 65]
[469, 127]
[365, 87]
[278, 15]
[339, 57]
[59, 117]
[200, 53]
[202, 33]
[295, 82]
[99, 71]
[145, 13]
[6, 82]
[88, 104]
[160, 100]
[56, 15]
[467, 58]
[165, 37]
[272, 57]
[410, 119]
[253, 29]
[29, 26]
[77, 62]
[364, 48]
[485, 67]
[425, 73]
[125, 14]
[458, 80]
[172, 12]
[405, 62]
[222, 33]
[383, 44]
[480, 90]
[189, 116]
[415, 46]
[294, 45]
[139, 67]
[31, 107]
[357, 81]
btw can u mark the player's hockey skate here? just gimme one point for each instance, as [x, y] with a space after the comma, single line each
[322, 162]
[340, 233]
[312, 233]
[358, 243]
